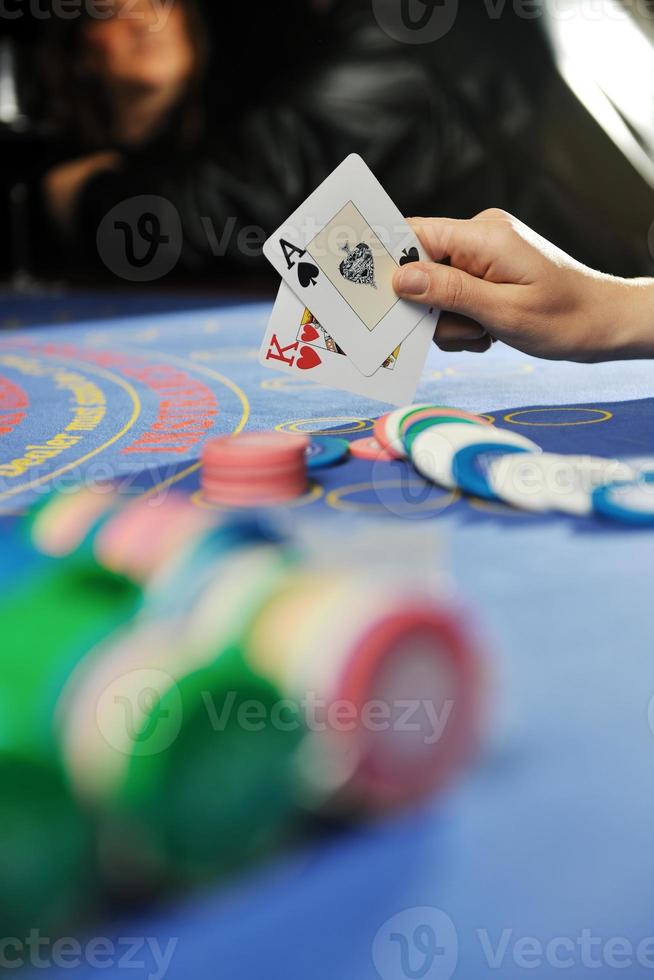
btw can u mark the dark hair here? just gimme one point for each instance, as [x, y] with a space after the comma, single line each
[78, 106]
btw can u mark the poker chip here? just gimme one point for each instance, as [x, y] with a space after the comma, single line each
[470, 467]
[175, 589]
[628, 502]
[370, 449]
[434, 450]
[144, 534]
[418, 422]
[326, 451]
[205, 795]
[387, 430]
[254, 469]
[46, 849]
[61, 525]
[356, 642]
[553, 482]
[255, 448]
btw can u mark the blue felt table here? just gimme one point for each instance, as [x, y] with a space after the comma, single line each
[552, 836]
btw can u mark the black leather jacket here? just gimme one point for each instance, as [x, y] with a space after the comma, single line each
[430, 120]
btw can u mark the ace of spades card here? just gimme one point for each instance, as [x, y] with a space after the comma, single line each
[338, 253]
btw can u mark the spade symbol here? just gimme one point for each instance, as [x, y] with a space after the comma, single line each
[411, 256]
[359, 266]
[308, 274]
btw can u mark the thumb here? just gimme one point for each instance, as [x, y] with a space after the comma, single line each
[449, 289]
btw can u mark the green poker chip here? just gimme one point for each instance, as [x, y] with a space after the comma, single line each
[414, 430]
[48, 877]
[223, 791]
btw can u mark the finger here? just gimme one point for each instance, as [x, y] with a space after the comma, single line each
[450, 289]
[470, 346]
[452, 327]
[473, 246]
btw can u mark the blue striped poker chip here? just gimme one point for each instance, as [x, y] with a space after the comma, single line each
[628, 502]
[470, 467]
[326, 451]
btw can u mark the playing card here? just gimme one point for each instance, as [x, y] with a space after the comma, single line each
[297, 344]
[338, 253]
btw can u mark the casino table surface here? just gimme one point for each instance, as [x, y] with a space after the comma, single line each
[544, 854]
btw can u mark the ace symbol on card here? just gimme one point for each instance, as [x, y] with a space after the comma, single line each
[307, 273]
[339, 252]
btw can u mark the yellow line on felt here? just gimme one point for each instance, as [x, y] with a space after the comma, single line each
[136, 412]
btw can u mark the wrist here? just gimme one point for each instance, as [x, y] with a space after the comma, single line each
[628, 318]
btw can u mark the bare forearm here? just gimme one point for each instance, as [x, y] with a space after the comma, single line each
[634, 319]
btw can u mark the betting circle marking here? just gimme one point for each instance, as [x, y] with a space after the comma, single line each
[350, 426]
[603, 416]
[335, 499]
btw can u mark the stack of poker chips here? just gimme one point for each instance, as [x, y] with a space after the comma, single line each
[190, 692]
[458, 450]
[254, 469]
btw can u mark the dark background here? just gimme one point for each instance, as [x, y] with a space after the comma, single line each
[548, 161]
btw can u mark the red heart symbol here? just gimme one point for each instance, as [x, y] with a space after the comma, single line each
[309, 333]
[308, 359]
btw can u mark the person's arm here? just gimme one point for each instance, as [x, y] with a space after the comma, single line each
[496, 279]
[63, 185]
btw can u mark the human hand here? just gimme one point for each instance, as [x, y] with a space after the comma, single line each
[63, 184]
[505, 282]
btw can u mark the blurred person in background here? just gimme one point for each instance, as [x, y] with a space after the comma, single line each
[237, 121]
[235, 114]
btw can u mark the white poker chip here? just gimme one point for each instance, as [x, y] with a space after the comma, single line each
[546, 482]
[433, 451]
[392, 440]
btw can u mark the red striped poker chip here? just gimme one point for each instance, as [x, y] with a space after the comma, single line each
[254, 469]
[370, 449]
[249, 497]
[255, 487]
[255, 448]
[379, 430]
[386, 779]
[246, 474]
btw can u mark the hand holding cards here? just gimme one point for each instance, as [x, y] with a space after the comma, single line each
[337, 315]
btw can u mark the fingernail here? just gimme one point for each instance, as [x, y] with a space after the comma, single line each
[413, 282]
